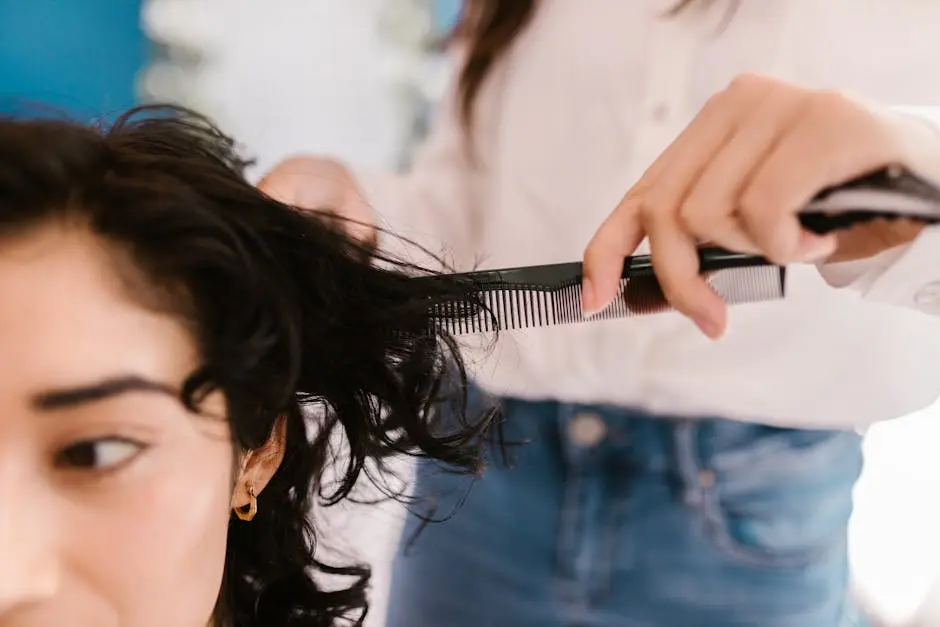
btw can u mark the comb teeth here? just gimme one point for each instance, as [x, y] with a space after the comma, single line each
[546, 295]
[507, 307]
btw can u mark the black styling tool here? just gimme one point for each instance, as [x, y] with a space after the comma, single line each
[545, 295]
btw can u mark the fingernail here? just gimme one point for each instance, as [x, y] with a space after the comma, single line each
[588, 299]
[709, 327]
[814, 248]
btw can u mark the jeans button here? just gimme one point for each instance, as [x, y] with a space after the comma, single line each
[706, 478]
[659, 112]
[587, 429]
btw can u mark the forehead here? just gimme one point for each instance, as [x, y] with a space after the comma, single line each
[65, 318]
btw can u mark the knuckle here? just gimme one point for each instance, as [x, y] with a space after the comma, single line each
[692, 218]
[653, 206]
[717, 99]
[700, 211]
[829, 105]
[751, 199]
[828, 98]
[760, 214]
[749, 82]
[760, 201]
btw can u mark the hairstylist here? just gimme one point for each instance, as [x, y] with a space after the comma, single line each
[669, 480]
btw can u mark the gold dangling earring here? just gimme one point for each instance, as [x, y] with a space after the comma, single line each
[252, 504]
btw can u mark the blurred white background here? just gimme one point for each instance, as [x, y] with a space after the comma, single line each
[344, 78]
[347, 77]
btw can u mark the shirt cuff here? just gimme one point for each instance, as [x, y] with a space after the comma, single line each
[906, 276]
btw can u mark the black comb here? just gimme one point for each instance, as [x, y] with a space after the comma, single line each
[545, 295]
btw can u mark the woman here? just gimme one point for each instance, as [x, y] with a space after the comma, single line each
[176, 351]
[669, 480]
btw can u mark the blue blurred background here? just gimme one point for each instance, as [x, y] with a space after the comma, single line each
[80, 57]
[445, 13]
[83, 57]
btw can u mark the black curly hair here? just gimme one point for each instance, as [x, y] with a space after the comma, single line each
[292, 319]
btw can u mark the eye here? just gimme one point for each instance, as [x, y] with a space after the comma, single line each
[99, 455]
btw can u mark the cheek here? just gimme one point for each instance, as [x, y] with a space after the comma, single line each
[158, 550]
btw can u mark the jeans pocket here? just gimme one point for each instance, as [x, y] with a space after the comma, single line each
[781, 497]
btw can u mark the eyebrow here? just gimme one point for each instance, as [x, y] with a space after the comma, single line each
[99, 391]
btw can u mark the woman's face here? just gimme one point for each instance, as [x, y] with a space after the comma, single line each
[114, 500]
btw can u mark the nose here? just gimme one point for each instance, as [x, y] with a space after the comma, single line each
[29, 571]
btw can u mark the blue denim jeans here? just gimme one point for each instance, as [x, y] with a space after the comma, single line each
[626, 520]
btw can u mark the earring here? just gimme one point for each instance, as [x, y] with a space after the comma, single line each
[252, 504]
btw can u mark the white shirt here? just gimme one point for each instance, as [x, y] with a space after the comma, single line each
[588, 97]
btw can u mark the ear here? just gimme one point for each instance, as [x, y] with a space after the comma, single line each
[259, 465]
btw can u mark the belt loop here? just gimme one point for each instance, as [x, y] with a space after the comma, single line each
[686, 434]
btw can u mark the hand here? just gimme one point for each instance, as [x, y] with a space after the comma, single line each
[736, 177]
[322, 184]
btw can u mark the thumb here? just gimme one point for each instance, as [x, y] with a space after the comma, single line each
[282, 182]
[278, 190]
[618, 237]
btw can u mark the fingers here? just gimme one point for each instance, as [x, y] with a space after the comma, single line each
[677, 172]
[278, 189]
[676, 264]
[737, 177]
[285, 181]
[618, 237]
[787, 178]
[660, 193]
[708, 129]
[623, 231]
[710, 207]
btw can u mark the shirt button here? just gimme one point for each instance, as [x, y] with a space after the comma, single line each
[587, 429]
[659, 112]
[927, 298]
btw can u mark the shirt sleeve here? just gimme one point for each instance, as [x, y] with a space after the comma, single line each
[906, 276]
